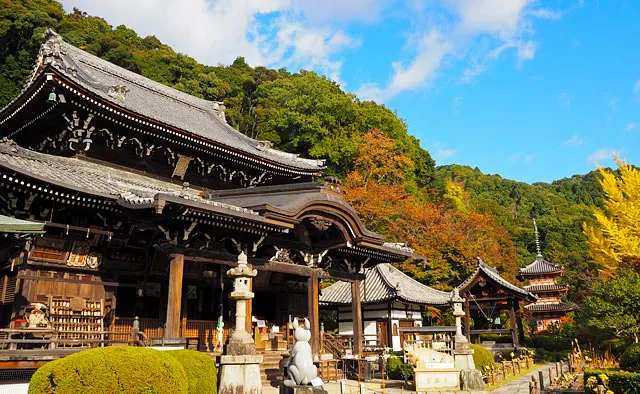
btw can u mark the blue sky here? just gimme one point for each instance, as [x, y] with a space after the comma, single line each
[531, 90]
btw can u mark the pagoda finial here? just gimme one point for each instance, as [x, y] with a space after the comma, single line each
[535, 230]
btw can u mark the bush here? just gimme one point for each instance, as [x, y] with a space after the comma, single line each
[551, 343]
[202, 374]
[394, 367]
[118, 369]
[482, 357]
[620, 382]
[541, 355]
[630, 359]
[497, 338]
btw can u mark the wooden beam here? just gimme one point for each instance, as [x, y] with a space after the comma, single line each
[249, 307]
[314, 315]
[514, 323]
[492, 331]
[357, 318]
[467, 319]
[176, 269]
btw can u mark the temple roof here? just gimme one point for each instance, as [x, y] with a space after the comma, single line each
[484, 269]
[550, 288]
[140, 95]
[385, 283]
[555, 307]
[541, 266]
[129, 189]
[13, 225]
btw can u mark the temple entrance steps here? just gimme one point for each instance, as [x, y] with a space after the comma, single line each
[271, 371]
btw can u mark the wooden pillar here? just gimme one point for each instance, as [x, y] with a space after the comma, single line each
[174, 300]
[467, 319]
[357, 318]
[314, 314]
[513, 304]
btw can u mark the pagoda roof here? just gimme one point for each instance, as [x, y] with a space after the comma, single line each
[554, 307]
[18, 226]
[139, 95]
[491, 273]
[129, 189]
[550, 288]
[384, 283]
[541, 267]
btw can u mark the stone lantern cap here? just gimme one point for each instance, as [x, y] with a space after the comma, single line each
[242, 270]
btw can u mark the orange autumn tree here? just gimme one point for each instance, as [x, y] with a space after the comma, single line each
[450, 236]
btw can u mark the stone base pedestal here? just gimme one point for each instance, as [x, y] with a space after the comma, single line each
[437, 379]
[302, 390]
[240, 374]
[471, 379]
[463, 355]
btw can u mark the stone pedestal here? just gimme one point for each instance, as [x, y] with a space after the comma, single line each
[471, 379]
[240, 374]
[302, 390]
[240, 365]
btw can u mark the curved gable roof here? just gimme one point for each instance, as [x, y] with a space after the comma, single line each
[483, 269]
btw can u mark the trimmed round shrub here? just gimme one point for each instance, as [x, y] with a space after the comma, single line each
[202, 374]
[394, 367]
[118, 369]
[482, 357]
[630, 359]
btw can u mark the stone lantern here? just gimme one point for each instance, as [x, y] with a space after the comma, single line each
[470, 377]
[240, 365]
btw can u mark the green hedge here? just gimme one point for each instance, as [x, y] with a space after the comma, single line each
[202, 374]
[550, 343]
[620, 382]
[497, 338]
[118, 369]
[630, 359]
[397, 369]
[482, 357]
[550, 355]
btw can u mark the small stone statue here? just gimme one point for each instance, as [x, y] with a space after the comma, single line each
[301, 369]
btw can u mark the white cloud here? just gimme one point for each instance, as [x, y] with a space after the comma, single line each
[477, 30]
[528, 158]
[565, 100]
[574, 141]
[631, 126]
[603, 155]
[636, 87]
[444, 153]
[519, 157]
[456, 103]
[332, 10]
[430, 50]
[265, 32]
[515, 157]
[545, 13]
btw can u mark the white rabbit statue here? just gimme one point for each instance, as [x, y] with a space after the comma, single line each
[301, 369]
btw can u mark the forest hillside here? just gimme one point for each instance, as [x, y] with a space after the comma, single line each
[451, 213]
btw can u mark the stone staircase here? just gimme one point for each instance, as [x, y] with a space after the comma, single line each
[270, 370]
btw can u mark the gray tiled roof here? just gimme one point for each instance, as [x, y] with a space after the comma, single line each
[546, 288]
[167, 105]
[492, 273]
[561, 306]
[384, 283]
[130, 189]
[540, 266]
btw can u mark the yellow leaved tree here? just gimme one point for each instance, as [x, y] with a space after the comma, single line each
[614, 240]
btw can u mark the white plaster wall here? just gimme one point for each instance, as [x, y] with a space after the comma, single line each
[395, 339]
[345, 328]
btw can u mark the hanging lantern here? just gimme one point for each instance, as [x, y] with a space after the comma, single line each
[53, 97]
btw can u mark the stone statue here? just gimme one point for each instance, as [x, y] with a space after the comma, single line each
[301, 369]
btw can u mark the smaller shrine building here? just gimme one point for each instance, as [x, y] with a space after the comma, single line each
[390, 301]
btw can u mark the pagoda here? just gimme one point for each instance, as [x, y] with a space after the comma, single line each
[543, 276]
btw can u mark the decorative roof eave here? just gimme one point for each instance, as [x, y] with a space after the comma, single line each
[117, 110]
[555, 307]
[482, 269]
[18, 226]
[196, 120]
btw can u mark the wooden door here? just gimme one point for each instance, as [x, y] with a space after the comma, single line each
[382, 332]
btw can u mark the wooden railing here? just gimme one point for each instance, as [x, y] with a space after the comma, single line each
[25, 338]
[336, 344]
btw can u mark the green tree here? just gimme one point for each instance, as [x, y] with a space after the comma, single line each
[614, 306]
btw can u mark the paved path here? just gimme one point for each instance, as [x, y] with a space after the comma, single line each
[521, 385]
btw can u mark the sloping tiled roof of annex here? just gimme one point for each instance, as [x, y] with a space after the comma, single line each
[492, 273]
[12, 225]
[546, 288]
[384, 283]
[541, 266]
[129, 189]
[553, 307]
[162, 103]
